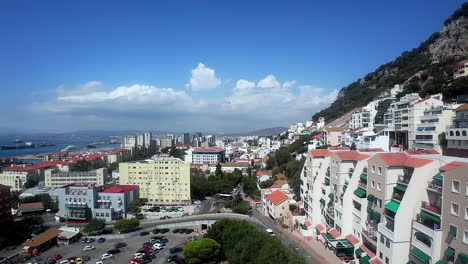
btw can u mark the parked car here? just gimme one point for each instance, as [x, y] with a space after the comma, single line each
[113, 251]
[90, 240]
[78, 261]
[71, 258]
[175, 250]
[101, 240]
[164, 230]
[106, 256]
[49, 261]
[175, 231]
[156, 231]
[157, 247]
[138, 255]
[86, 258]
[88, 248]
[57, 256]
[99, 262]
[192, 238]
[144, 233]
[189, 231]
[64, 262]
[134, 260]
[120, 245]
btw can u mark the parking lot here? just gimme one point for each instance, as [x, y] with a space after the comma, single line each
[133, 244]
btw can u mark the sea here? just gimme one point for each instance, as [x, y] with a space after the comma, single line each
[60, 142]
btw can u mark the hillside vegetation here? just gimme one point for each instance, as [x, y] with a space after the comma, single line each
[426, 70]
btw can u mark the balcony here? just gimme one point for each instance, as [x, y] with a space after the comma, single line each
[434, 186]
[75, 205]
[431, 208]
[426, 228]
[404, 179]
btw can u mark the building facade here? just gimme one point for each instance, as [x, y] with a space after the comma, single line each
[457, 133]
[162, 181]
[208, 155]
[55, 178]
[5, 202]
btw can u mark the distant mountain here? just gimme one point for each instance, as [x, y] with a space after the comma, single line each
[266, 131]
[426, 70]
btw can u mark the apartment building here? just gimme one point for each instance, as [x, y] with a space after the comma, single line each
[162, 181]
[208, 155]
[457, 133]
[455, 215]
[345, 170]
[16, 176]
[5, 202]
[389, 177]
[364, 117]
[332, 136]
[56, 178]
[397, 117]
[433, 122]
[416, 111]
[81, 202]
[276, 204]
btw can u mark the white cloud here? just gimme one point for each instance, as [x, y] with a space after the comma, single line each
[203, 78]
[269, 82]
[289, 84]
[86, 88]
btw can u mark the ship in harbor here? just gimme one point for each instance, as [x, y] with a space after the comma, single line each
[16, 141]
[70, 148]
[19, 145]
[91, 146]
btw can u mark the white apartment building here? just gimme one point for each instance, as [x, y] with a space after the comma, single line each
[460, 70]
[457, 133]
[364, 117]
[433, 122]
[56, 178]
[208, 155]
[416, 111]
[16, 176]
[162, 181]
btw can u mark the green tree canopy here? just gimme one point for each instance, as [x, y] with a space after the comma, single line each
[126, 224]
[203, 251]
[94, 225]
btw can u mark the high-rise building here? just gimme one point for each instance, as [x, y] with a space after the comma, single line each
[185, 138]
[198, 134]
[162, 181]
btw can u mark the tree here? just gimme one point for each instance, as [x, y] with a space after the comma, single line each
[241, 208]
[47, 201]
[205, 250]
[114, 166]
[219, 170]
[32, 181]
[282, 156]
[94, 225]
[83, 165]
[126, 224]
[135, 207]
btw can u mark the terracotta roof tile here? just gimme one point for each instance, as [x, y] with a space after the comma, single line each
[402, 159]
[351, 155]
[452, 165]
[375, 261]
[307, 223]
[462, 107]
[352, 239]
[277, 197]
[371, 150]
[368, 251]
[321, 152]
[320, 227]
[334, 233]
[37, 206]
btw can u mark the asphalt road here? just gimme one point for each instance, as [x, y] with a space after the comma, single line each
[133, 244]
[285, 239]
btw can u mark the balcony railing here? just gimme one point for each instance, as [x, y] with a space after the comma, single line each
[405, 179]
[363, 185]
[434, 186]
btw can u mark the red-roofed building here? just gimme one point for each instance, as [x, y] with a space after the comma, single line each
[319, 228]
[320, 153]
[30, 208]
[16, 176]
[371, 150]
[368, 251]
[422, 152]
[349, 155]
[276, 203]
[452, 165]
[119, 188]
[338, 148]
[375, 261]
[402, 159]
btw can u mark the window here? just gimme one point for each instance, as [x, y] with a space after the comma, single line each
[381, 255]
[379, 171]
[466, 188]
[465, 236]
[379, 186]
[455, 186]
[373, 169]
[453, 230]
[387, 260]
[373, 184]
[466, 213]
[382, 239]
[454, 209]
[387, 243]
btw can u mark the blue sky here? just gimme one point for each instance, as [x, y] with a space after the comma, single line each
[222, 66]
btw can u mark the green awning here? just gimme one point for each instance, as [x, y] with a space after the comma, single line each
[449, 252]
[322, 201]
[370, 211]
[392, 206]
[376, 216]
[463, 257]
[364, 176]
[420, 255]
[430, 216]
[439, 176]
[304, 227]
[364, 260]
[360, 192]
[400, 187]
[410, 262]
[328, 236]
[440, 262]
[370, 198]
[327, 181]
[359, 251]
[331, 196]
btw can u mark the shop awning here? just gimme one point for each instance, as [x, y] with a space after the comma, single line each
[331, 196]
[420, 255]
[359, 251]
[439, 176]
[370, 198]
[430, 216]
[392, 206]
[327, 181]
[364, 260]
[361, 193]
[370, 211]
[322, 201]
[449, 252]
[376, 216]
[401, 187]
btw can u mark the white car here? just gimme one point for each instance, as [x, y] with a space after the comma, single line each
[157, 246]
[88, 248]
[106, 256]
[138, 255]
[64, 262]
[99, 262]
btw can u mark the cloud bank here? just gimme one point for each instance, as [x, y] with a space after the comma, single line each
[248, 105]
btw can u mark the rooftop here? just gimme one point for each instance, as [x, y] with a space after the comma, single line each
[452, 165]
[119, 188]
[202, 150]
[421, 152]
[371, 150]
[19, 168]
[402, 159]
[351, 155]
[277, 197]
[37, 206]
[42, 238]
[463, 107]
[321, 152]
